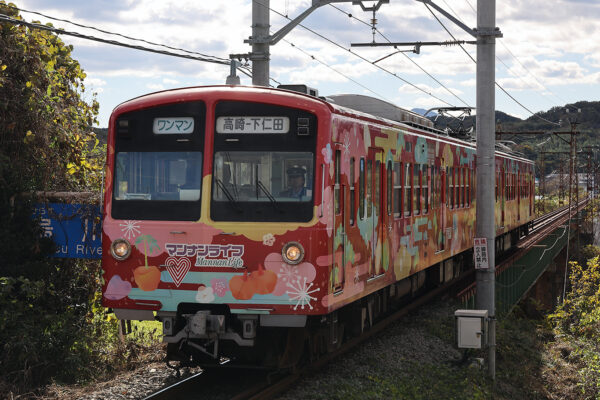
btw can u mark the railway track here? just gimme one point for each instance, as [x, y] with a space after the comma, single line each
[264, 384]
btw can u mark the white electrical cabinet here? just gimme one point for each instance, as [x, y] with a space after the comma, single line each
[471, 328]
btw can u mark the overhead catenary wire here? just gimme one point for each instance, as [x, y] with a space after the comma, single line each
[496, 83]
[404, 54]
[363, 58]
[507, 48]
[336, 71]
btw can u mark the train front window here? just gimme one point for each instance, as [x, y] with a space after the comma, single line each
[158, 157]
[158, 176]
[262, 186]
[264, 163]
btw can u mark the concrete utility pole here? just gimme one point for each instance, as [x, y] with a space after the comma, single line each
[260, 55]
[485, 222]
[261, 40]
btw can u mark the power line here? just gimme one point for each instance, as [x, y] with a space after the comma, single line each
[522, 65]
[363, 58]
[404, 54]
[111, 33]
[336, 71]
[496, 83]
[6, 18]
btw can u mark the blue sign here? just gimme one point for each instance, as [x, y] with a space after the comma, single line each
[75, 228]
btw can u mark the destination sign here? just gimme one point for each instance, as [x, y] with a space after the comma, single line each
[253, 125]
[173, 126]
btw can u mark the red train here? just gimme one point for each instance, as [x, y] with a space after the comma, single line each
[252, 221]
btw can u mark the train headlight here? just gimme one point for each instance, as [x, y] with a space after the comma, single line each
[292, 253]
[120, 249]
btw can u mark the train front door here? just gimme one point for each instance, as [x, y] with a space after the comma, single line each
[375, 210]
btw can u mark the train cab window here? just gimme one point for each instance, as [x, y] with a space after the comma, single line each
[361, 189]
[369, 188]
[352, 192]
[389, 186]
[158, 163]
[264, 163]
[337, 188]
[425, 188]
[397, 189]
[416, 189]
[407, 189]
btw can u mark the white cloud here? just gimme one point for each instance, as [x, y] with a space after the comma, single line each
[155, 86]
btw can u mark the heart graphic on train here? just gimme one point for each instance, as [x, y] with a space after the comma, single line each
[178, 268]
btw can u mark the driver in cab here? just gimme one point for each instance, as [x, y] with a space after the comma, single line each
[296, 180]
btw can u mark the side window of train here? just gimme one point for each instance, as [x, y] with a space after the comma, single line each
[397, 189]
[468, 188]
[337, 188]
[461, 185]
[407, 190]
[361, 189]
[447, 190]
[425, 188]
[416, 189]
[369, 188]
[390, 182]
[497, 179]
[352, 198]
[452, 191]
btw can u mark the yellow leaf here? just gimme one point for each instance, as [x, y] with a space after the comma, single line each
[3, 67]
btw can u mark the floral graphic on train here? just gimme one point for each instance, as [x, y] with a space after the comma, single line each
[301, 293]
[130, 228]
[219, 286]
[117, 288]
[209, 255]
[288, 273]
[269, 239]
[205, 294]
[326, 152]
[147, 277]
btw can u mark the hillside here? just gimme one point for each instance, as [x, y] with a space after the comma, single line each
[587, 123]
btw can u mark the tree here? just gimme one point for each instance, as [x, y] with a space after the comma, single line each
[46, 143]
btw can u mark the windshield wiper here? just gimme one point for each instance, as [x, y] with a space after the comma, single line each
[234, 204]
[259, 185]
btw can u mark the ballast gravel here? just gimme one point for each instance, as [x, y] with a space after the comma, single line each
[412, 339]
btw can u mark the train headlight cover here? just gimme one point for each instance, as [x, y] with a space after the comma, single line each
[293, 253]
[120, 249]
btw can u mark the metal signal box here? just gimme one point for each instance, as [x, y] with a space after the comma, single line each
[471, 328]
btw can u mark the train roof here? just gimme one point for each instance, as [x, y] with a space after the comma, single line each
[360, 106]
[382, 108]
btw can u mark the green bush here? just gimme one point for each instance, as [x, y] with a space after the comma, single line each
[578, 319]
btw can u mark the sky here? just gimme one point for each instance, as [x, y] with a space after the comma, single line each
[549, 54]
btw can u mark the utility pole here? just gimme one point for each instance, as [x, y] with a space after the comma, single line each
[485, 223]
[260, 55]
[261, 40]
